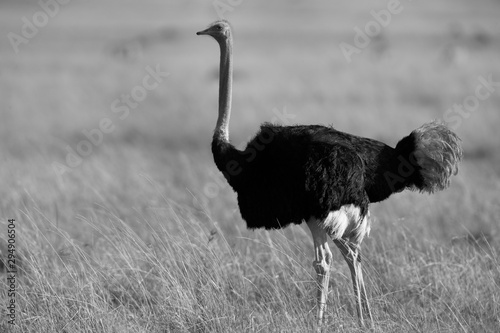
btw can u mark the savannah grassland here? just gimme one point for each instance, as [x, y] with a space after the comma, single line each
[143, 234]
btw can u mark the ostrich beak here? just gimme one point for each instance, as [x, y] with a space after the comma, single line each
[203, 32]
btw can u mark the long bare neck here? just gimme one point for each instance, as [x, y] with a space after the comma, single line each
[225, 86]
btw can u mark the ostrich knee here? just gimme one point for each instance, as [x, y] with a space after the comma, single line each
[322, 268]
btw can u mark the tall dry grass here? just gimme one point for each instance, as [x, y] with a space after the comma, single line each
[144, 235]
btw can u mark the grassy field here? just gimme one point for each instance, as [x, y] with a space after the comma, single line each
[137, 231]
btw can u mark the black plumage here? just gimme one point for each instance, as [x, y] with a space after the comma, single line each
[327, 178]
[287, 174]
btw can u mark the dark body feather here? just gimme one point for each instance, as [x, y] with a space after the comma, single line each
[287, 174]
[324, 177]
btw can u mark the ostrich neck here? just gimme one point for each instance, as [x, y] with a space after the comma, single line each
[225, 86]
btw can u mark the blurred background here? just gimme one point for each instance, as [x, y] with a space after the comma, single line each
[123, 222]
[88, 131]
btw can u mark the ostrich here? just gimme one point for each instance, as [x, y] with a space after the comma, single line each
[324, 177]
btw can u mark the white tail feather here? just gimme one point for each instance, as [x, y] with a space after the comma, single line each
[438, 152]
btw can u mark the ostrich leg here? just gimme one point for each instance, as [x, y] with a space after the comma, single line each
[351, 254]
[322, 262]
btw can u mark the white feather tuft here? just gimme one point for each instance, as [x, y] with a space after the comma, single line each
[347, 223]
[438, 152]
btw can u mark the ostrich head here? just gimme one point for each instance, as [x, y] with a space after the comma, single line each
[220, 30]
